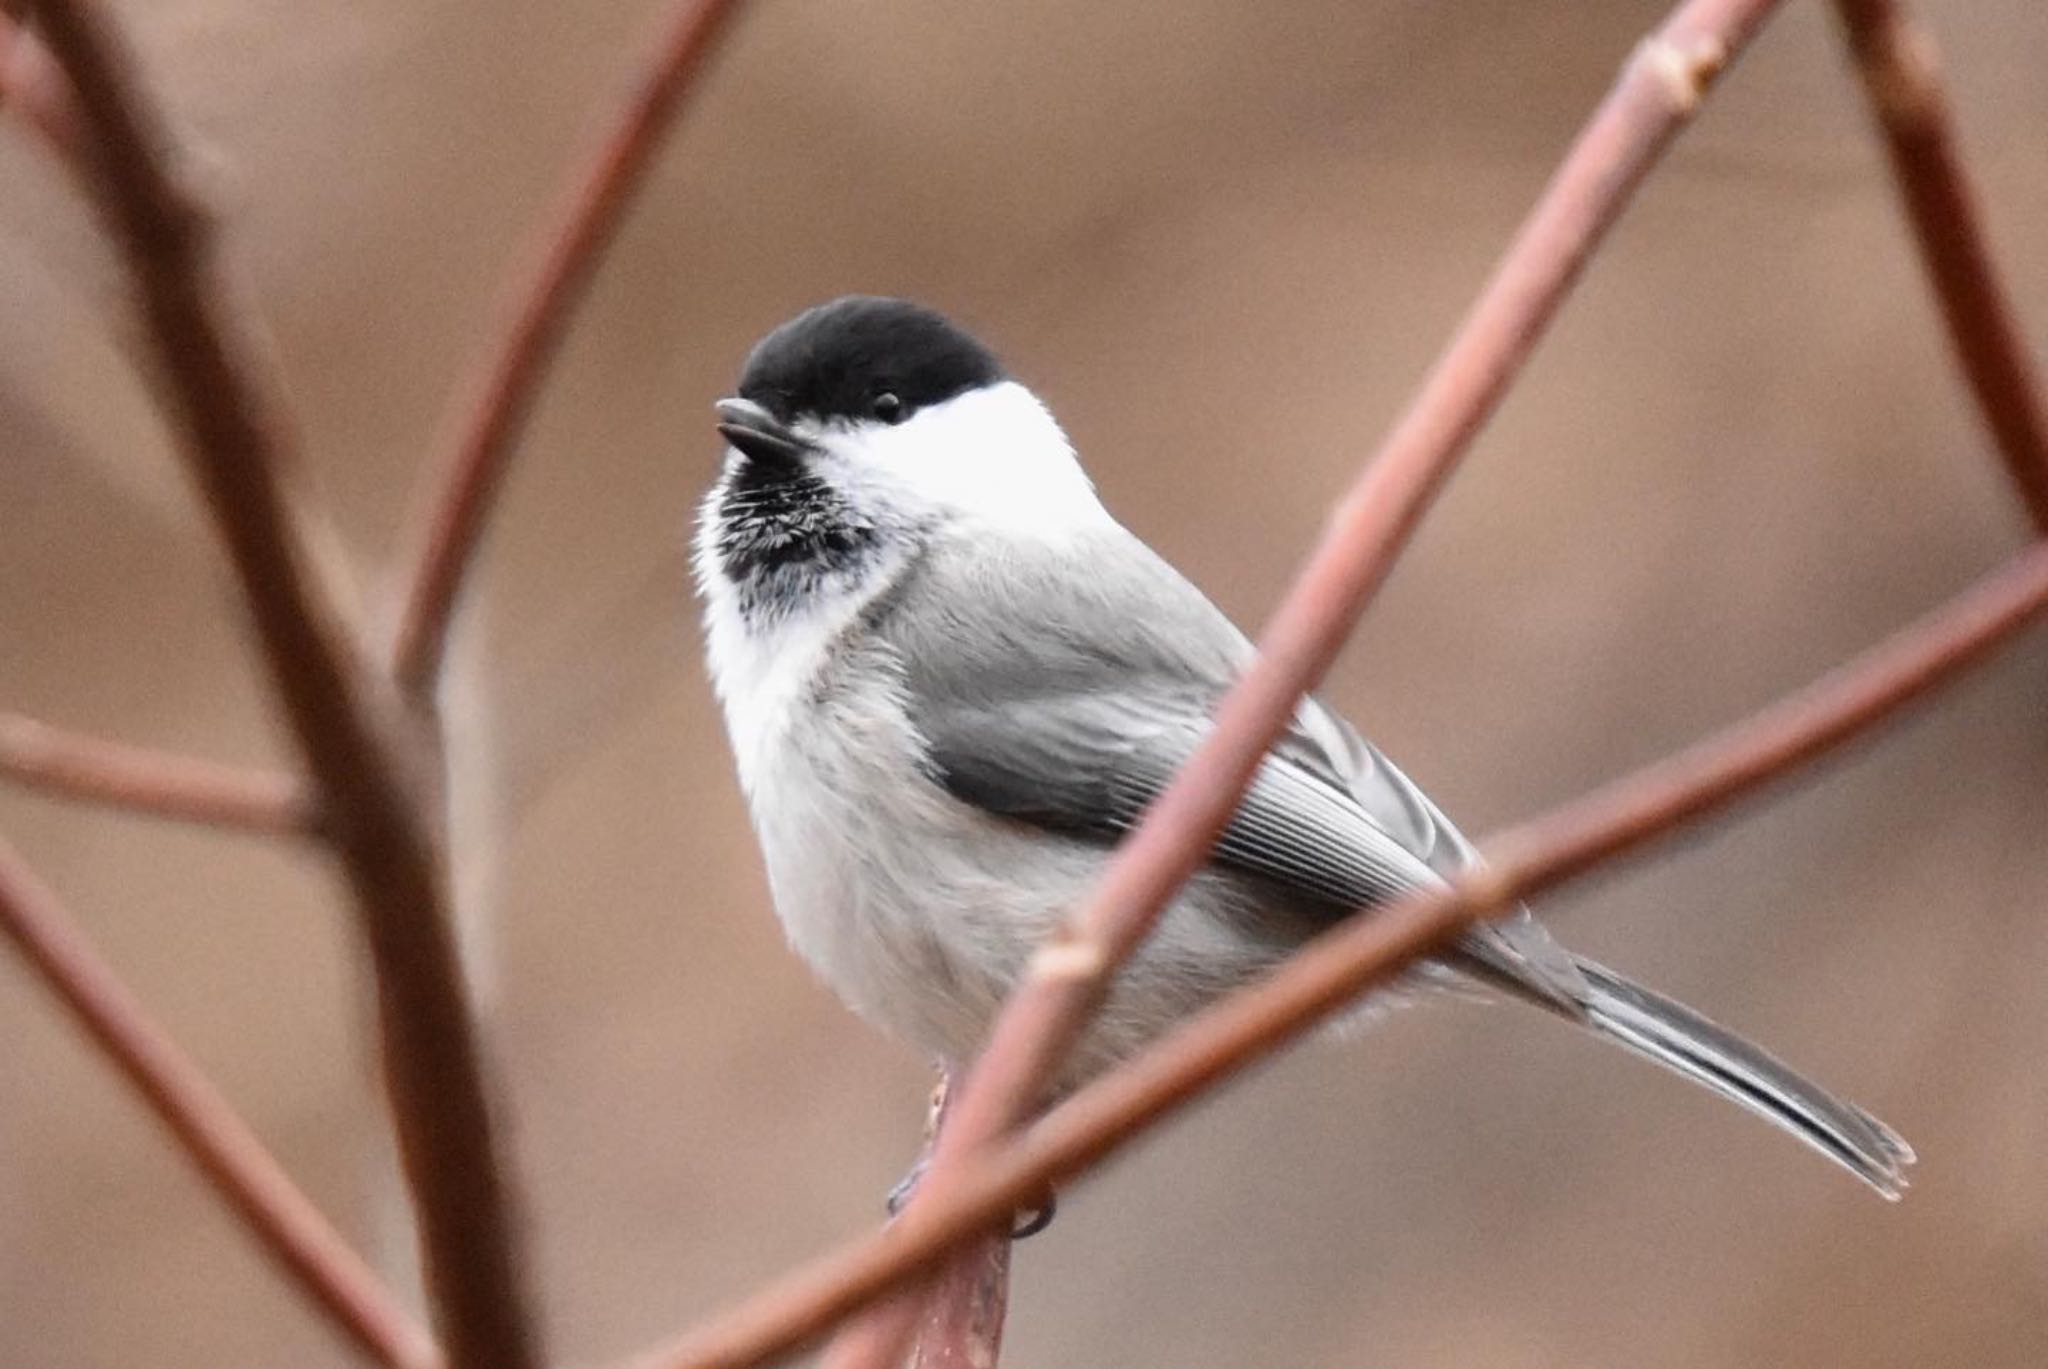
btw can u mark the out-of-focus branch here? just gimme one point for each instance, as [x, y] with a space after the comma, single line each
[32, 87]
[283, 1220]
[162, 784]
[1658, 90]
[1901, 72]
[491, 410]
[233, 440]
[1330, 973]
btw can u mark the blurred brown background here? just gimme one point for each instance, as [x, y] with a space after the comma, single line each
[1223, 240]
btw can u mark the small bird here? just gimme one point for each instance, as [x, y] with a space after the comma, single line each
[953, 681]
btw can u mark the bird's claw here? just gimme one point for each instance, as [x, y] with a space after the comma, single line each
[1033, 1220]
[1028, 1223]
[906, 1186]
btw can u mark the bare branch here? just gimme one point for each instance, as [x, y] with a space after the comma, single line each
[492, 409]
[236, 447]
[1330, 973]
[1657, 92]
[1901, 72]
[958, 1313]
[33, 87]
[962, 1326]
[162, 784]
[91, 109]
[309, 1251]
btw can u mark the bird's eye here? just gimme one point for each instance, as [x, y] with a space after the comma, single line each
[888, 407]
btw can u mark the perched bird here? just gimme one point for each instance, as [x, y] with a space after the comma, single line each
[952, 681]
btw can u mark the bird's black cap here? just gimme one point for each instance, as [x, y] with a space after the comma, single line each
[864, 357]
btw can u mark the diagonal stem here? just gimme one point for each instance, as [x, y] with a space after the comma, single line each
[1329, 974]
[162, 784]
[283, 1219]
[492, 409]
[33, 88]
[233, 440]
[1901, 72]
[1658, 91]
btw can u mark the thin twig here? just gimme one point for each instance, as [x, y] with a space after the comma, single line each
[310, 1252]
[232, 439]
[1658, 90]
[491, 410]
[32, 87]
[160, 783]
[1901, 71]
[1330, 973]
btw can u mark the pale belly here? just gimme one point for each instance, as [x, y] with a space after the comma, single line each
[921, 912]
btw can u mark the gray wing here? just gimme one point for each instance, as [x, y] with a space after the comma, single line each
[1044, 698]
[1514, 951]
[1089, 766]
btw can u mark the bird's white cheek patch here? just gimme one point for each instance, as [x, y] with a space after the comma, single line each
[991, 458]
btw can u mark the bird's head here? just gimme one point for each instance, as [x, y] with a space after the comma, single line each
[862, 428]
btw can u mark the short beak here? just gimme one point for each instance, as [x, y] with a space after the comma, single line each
[757, 434]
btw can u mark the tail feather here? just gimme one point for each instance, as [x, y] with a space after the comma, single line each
[1681, 1040]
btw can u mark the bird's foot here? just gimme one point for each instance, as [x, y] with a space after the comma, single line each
[1034, 1219]
[907, 1185]
[1029, 1222]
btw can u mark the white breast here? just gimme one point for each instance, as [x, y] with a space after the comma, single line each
[850, 832]
[919, 910]
[867, 861]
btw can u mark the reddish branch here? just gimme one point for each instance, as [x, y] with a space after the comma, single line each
[961, 1323]
[291, 1230]
[236, 446]
[1902, 75]
[492, 411]
[1332, 971]
[34, 89]
[959, 1319]
[978, 1177]
[1657, 92]
[160, 783]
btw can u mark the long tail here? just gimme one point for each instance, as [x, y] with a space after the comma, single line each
[1681, 1040]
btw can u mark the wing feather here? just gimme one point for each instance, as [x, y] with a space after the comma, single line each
[1048, 707]
[1078, 764]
